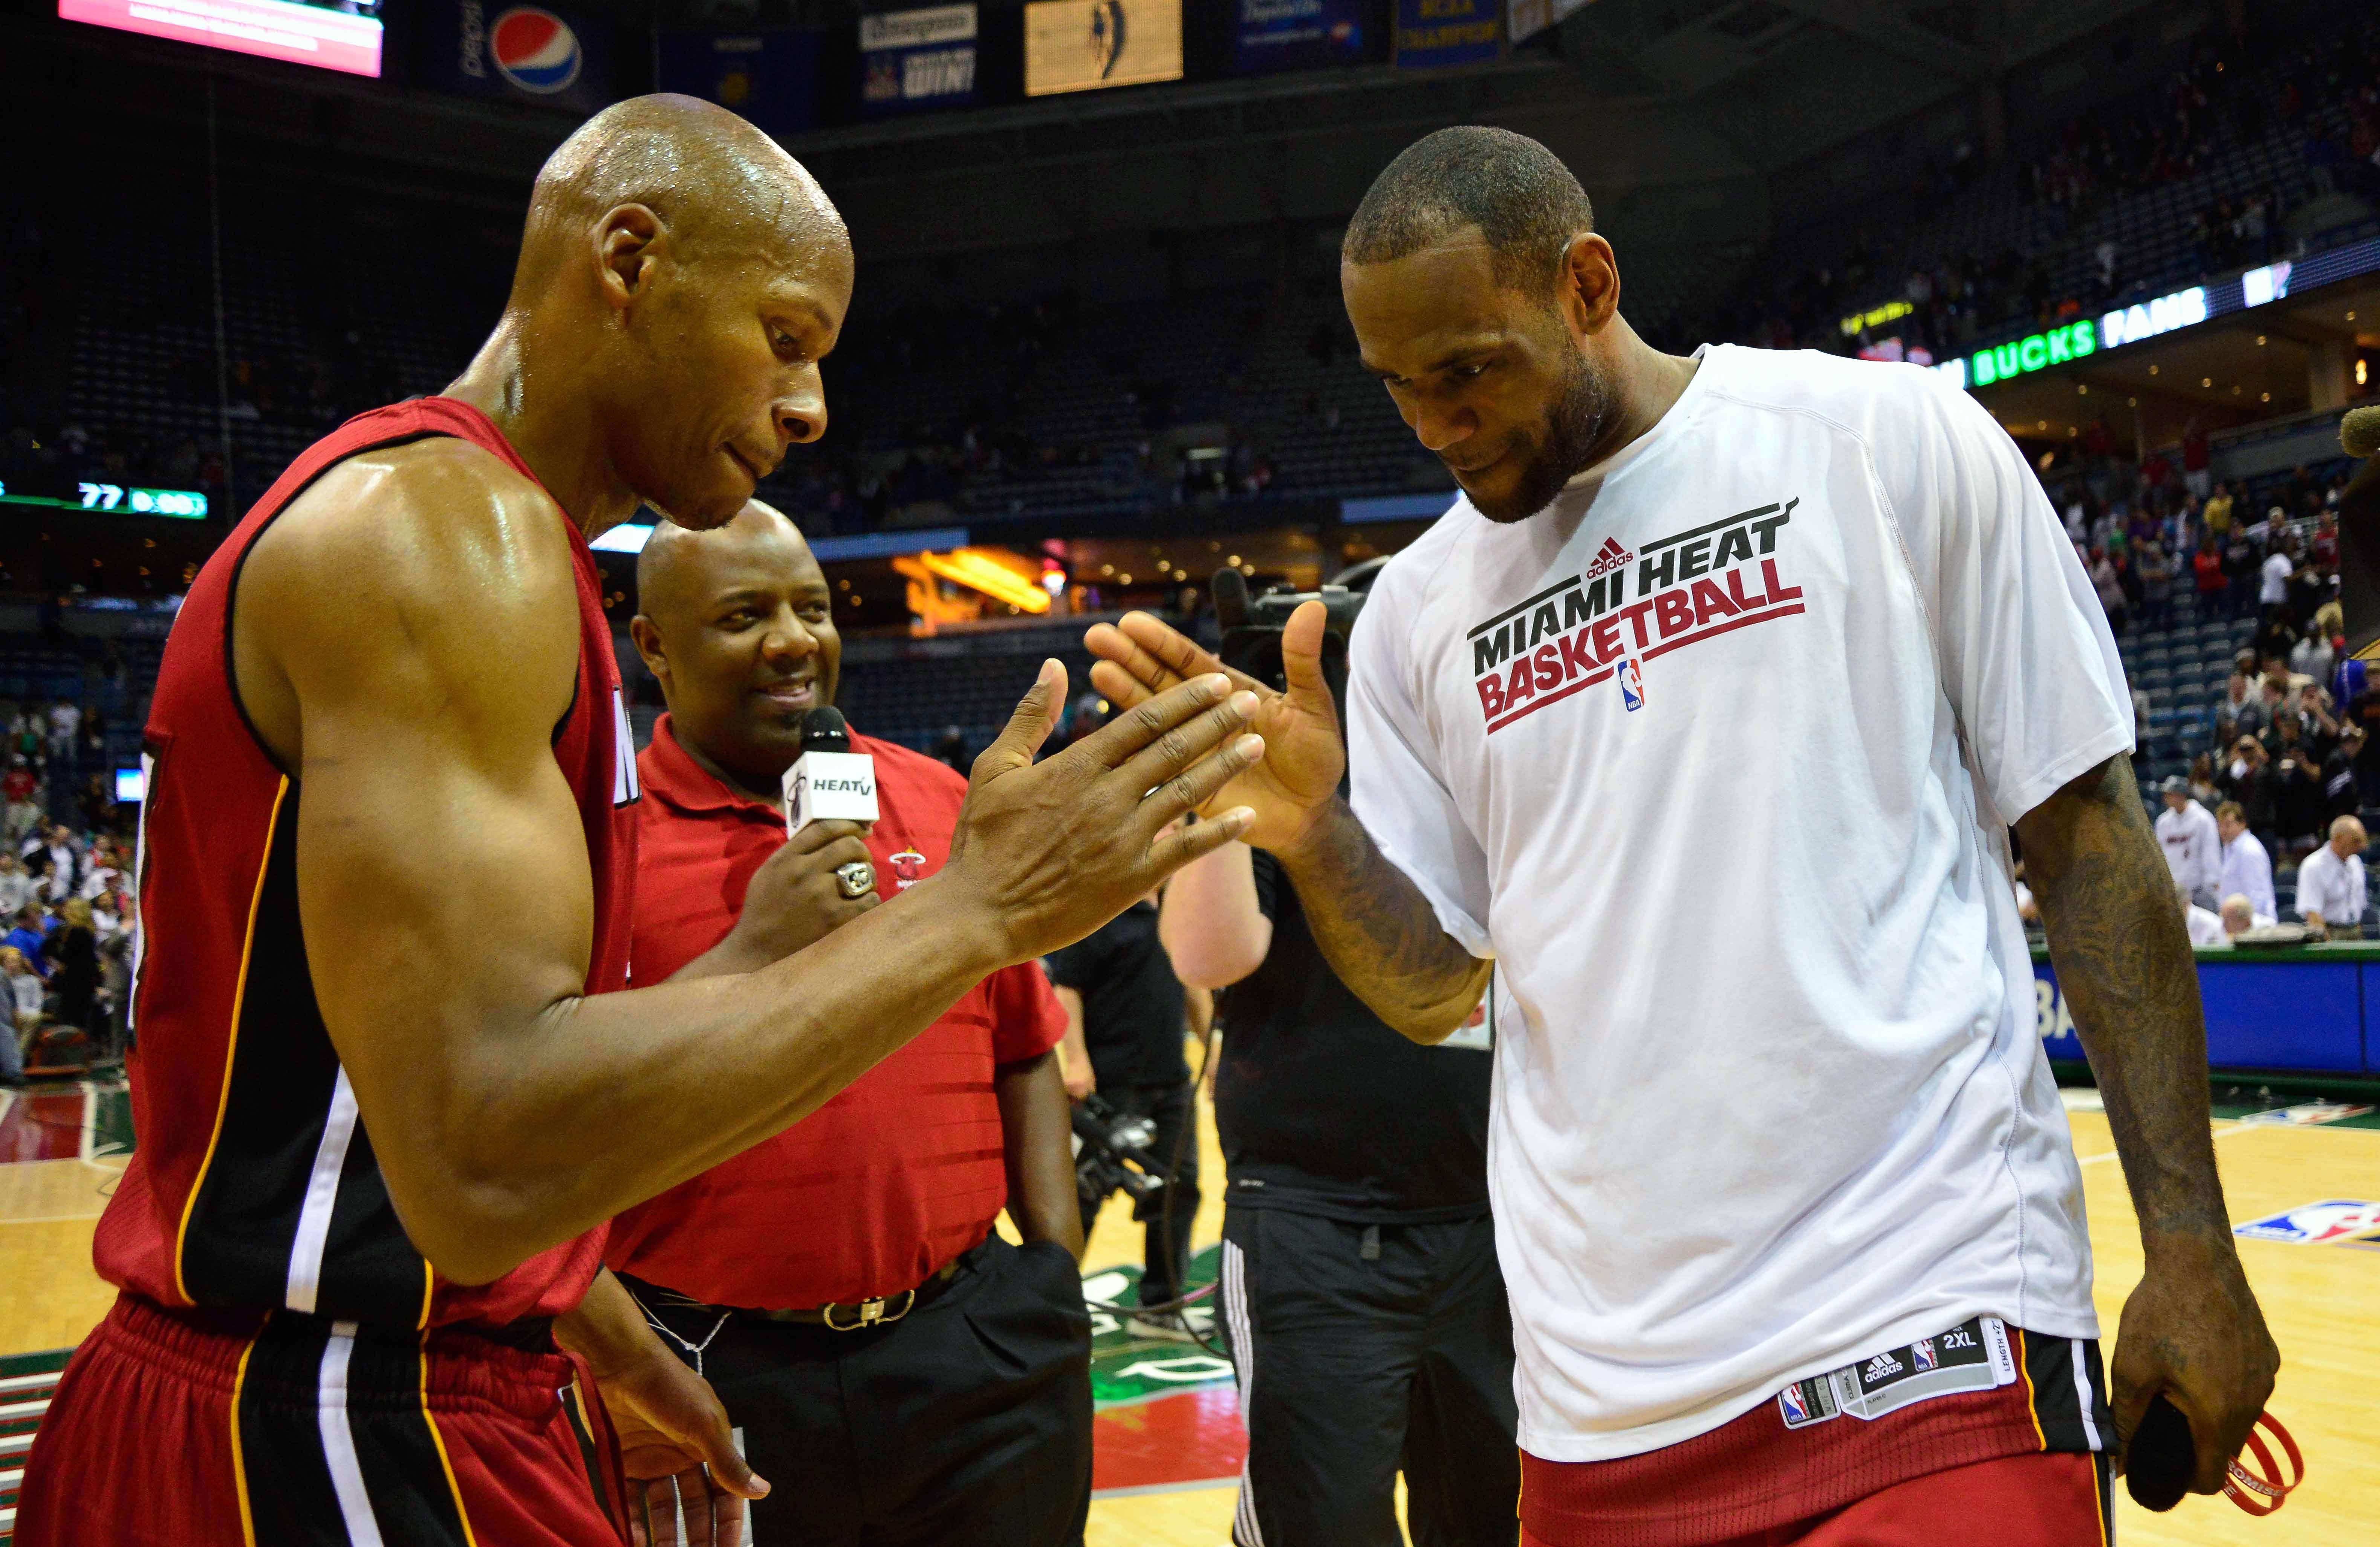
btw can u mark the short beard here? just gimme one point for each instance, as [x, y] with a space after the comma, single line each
[1573, 426]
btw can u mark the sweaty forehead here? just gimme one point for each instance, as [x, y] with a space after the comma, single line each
[1441, 295]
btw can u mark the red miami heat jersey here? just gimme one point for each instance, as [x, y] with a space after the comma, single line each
[253, 1182]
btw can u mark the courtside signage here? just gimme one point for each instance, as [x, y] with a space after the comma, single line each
[330, 40]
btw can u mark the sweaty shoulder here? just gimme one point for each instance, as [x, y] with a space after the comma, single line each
[431, 560]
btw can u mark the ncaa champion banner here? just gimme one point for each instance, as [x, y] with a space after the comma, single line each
[540, 53]
[768, 78]
[1298, 34]
[917, 59]
[1432, 34]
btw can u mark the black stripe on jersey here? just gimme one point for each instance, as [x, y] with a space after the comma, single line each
[412, 1491]
[244, 1220]
[573, 1403]
[290, 1498]
[2058, 1405]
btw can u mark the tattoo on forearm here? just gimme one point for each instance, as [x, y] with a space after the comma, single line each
[1380, 934]
[2122, 953]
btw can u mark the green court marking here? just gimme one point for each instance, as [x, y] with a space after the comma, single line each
[111, 1119]
[1126, 1369]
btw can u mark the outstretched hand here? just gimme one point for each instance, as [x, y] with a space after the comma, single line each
[1053, 849]
[1142, 657]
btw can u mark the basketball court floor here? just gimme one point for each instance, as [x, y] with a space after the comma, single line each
[2305, 1182]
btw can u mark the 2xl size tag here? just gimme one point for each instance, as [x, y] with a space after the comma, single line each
[1972, 1355]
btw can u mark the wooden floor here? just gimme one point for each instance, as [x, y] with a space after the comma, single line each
[2323, 1302]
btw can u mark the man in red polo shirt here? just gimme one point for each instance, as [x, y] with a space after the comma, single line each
[899, 1371]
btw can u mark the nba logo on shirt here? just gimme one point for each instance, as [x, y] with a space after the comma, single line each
[1631, 686]
[1796, 1410]
[1923, 1350]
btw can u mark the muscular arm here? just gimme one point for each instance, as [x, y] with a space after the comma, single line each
[2123, 960]
[1379, 933]
[1036, 1129]
[2192, 1329]
[444, 888]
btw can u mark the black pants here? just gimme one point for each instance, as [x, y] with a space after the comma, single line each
[1354, 1367]
[969, 1421]
[1165, 1253]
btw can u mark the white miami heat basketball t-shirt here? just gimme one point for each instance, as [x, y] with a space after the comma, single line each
[1716, 757]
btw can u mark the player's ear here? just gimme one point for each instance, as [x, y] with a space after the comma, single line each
[648, 640]
[627, 242]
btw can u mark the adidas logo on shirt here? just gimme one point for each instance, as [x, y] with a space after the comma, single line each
[1610, 557]
[1880, 1367]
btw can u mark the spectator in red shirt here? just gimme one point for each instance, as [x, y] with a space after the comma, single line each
[2207, 565]
[18, 787]
[900, 1372]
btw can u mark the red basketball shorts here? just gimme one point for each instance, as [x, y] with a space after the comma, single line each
[217, 1429]
[1981, 1436]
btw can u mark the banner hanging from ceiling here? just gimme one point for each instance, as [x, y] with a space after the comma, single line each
[769, 77]
[545, 55]
[1434, 34]
[1298, 34]
[917, 59]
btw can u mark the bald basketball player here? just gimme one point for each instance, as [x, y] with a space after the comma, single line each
[1780, 644]
[386, 1095]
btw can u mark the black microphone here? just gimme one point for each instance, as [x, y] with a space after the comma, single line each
[824, 730]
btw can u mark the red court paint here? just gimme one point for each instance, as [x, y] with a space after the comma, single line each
[44, 1126]
[1174, 1441]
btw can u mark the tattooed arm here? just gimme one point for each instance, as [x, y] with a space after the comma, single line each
[1379, 932]
[2191, 1330]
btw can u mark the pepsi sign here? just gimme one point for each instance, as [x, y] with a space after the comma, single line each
[536, 53]
[535, 50]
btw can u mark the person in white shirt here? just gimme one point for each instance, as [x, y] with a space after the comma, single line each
[1809, 624]
[16, 886]
[2240, 916]
[2274, 588]
[2206, 932]
[2246, 868]
[2330, 882]
[2193, 844]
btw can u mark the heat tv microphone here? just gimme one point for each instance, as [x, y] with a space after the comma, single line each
[829, 782]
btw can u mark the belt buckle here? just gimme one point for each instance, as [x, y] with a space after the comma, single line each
[869, 1313]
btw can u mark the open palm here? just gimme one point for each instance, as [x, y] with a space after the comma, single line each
[1142, 656]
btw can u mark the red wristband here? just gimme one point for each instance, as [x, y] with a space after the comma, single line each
[2262, 1495]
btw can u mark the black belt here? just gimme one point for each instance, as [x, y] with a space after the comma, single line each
[838, 1315]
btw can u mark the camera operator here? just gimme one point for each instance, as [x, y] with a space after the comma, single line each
[900, 1371]
[1360, 1292]
[1126, 1013]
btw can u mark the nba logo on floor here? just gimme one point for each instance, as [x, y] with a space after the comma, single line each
[1631, 686]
